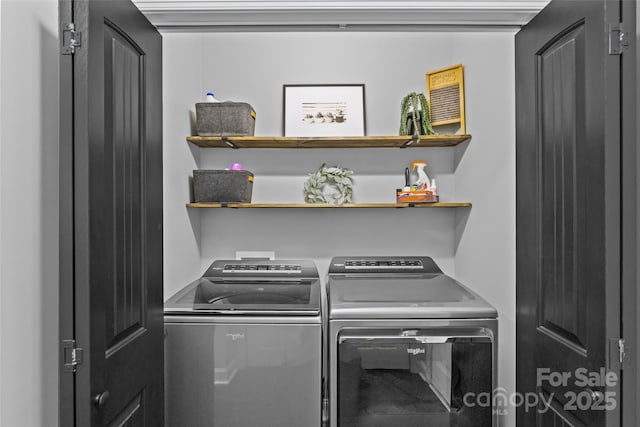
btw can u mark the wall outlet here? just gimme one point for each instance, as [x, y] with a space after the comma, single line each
[256, 255]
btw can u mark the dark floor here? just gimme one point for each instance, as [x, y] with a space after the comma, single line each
[390, 397]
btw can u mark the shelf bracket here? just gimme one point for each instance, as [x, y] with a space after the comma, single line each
[413, 140]
[225, 139]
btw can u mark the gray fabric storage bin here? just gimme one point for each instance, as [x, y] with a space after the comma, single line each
[225, 118]
[222, 186]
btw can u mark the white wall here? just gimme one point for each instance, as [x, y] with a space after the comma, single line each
[252, 67]
[29, 213]
[485, 240]
[1, 400]
[476, 245]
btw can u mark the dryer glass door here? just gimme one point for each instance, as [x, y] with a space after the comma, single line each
[414, 378]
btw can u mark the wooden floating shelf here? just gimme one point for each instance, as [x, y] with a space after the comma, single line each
[327, 205]
[328, 142]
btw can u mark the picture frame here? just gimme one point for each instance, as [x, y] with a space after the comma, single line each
[323, 110]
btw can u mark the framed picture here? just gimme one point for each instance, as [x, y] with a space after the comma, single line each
[323, 110]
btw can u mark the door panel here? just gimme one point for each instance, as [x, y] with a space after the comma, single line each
[563, 305]
[125, 81]
[132, 415]
[567, 211]
[116, 202]
[555, 416]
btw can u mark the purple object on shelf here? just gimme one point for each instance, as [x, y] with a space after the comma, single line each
[236, 167]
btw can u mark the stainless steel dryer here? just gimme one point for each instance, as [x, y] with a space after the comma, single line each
[243, 347]
[408, 346]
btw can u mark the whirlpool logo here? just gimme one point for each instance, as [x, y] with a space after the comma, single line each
[235, 337]
[415, 351]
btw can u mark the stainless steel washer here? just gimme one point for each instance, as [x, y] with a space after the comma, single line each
[408, 346]
[243, 346]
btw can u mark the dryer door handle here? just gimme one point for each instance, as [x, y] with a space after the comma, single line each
[422, 339]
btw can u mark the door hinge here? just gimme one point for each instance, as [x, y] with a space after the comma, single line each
[618, 39]
[619, 353]
[71, 39]
[71, 355]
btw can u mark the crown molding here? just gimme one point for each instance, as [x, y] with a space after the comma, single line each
[336, 14]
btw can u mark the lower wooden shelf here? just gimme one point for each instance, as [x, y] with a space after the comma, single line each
[328, 205]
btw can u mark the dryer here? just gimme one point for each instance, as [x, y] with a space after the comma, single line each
[243, 346]
[408, 345]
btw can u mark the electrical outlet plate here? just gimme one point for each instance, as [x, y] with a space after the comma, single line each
[256, 255]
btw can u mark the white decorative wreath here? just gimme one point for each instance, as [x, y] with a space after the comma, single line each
[336, 179]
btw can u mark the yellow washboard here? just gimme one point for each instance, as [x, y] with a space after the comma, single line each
[445, 96]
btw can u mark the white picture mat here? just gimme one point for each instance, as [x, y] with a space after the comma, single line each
[336, 110]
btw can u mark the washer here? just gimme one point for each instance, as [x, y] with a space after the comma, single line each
[408, 345]
[243, 346]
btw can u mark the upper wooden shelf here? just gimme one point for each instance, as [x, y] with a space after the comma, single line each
[328, 142]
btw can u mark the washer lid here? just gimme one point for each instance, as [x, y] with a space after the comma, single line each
[421, 296]
[256, 297]
[252, 287]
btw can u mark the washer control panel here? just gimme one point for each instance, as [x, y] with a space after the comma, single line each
[267, 269]
[262, 268]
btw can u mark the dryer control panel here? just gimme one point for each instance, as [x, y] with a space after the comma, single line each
[393, 264]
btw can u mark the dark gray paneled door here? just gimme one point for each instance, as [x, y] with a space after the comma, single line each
[111, 216]
[568, 266]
